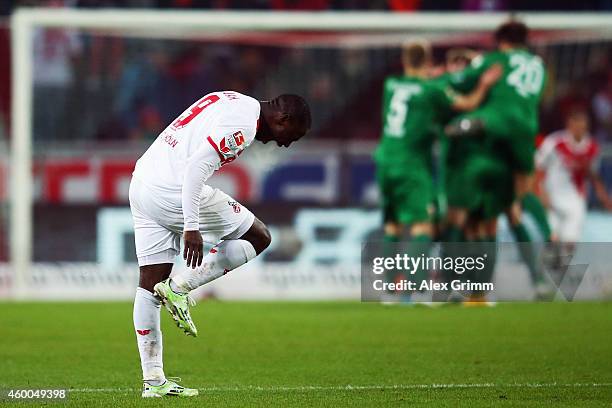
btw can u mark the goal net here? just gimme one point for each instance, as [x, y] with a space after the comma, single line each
[92, 89]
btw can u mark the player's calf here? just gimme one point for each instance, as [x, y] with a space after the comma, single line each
[223, 258]
[150, 275]
[258, 236]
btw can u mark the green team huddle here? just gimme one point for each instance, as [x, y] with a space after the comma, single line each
[481, 168]
[484, 125]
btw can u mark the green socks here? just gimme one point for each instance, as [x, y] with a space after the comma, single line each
[532, 204]
[527, 251]
[389, 249]
[420, 245]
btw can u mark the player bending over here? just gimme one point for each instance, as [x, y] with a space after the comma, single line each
[415, 107]
[169, 199]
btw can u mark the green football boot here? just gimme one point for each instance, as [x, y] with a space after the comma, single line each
[178, 306]
[169, 388]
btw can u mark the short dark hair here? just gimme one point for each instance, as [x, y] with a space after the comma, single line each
[296, 108]
[577, 113]
[415, 54]
[513, 32]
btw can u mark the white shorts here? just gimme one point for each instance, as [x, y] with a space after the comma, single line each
[158, 222]
[566, 218]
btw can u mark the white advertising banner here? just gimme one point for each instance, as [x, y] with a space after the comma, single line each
[323, 268]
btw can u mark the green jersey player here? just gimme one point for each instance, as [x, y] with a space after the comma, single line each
[414, 107]
[497, 168]
[508, 123]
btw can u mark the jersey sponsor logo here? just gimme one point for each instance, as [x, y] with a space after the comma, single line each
[224, 159]
[231, 143]
[235, 205]
[477, 61]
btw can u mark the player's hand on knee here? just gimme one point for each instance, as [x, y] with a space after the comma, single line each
[194, 248]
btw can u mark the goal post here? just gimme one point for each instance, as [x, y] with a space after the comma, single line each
[173, 24]
[20, 235]
[197, 20]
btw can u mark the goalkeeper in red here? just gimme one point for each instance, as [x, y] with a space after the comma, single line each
[169, 199]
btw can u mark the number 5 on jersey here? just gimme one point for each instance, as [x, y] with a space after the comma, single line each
[398, 110]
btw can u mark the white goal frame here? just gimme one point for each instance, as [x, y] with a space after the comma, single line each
[25, 20]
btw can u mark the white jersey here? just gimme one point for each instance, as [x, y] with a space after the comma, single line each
[567, 164]
[213, 131]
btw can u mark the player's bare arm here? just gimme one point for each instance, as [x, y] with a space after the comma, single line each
[472, 100]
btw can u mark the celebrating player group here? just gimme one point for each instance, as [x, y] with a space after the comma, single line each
[482, 113]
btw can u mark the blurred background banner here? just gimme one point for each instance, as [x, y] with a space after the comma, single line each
[101, 95]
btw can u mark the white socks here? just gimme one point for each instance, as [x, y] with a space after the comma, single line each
[220, 260]
[149, 336]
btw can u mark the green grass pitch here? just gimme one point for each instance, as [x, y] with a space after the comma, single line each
[319, 354]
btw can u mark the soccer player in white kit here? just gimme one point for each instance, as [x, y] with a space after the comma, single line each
[569, 159]
[169, 199]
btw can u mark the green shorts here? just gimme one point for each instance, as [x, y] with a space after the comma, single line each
[480, 183]
[499, 194]
[509, 136]
[406, 196]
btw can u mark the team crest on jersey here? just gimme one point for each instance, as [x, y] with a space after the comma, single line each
[235, 206]
[231, 143]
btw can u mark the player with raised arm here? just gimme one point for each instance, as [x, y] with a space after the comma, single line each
[169, 198]
[490, 172]
[507, 121]
[458, 59]
[414, 108]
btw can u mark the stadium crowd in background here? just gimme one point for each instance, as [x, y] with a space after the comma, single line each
[392, 5]
[132, 86]
[128, 88]
[76, 67]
